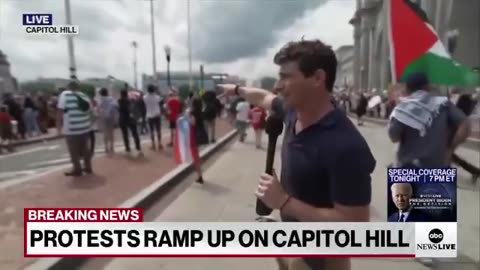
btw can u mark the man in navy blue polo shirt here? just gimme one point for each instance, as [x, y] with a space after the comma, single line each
[326, 163]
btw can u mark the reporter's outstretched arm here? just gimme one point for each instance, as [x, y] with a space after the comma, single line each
[256, 96]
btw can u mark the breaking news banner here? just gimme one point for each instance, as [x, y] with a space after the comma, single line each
[36, 23]
[422, 195]
[122, 233]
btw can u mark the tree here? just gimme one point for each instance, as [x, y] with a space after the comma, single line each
[38, 88]
[267, 83]
[88, 89]
[183, 91]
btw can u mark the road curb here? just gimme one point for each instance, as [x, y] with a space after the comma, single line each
[144, 199]
[470, 143]
[33, 141]
[38, 140]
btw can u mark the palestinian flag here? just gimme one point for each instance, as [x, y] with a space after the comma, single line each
[415, 47]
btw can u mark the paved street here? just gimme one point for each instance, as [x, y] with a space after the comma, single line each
[228, 196]
[39, 157]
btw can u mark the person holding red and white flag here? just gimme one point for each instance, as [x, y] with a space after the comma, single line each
[189, 133]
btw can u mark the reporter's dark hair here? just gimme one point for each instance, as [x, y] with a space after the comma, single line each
[311, 55]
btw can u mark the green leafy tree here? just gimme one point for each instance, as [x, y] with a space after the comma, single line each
[88, 89]
[38, 88]
[183, 91]
[267, 83]
[118, 86]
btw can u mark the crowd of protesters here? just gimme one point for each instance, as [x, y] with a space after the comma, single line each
[24, 117]
[78, 117]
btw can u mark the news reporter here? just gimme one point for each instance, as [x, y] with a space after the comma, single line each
[326, 163]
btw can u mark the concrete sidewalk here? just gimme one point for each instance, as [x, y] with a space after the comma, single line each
[227, 196]
[51, 135]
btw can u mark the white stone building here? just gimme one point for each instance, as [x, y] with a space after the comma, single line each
[179, 78]
[345, 56]
[8, 84]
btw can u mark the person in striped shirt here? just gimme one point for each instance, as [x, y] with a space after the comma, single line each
[74, 121]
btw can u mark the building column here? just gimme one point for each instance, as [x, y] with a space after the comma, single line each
[385, 55]
[385, 50]
[356, 59]
[365, 50]
[371, 59]
[442, 10]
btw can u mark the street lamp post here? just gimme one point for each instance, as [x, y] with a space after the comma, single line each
[201, 77]
[135, 46]
[168, 52]
[190, 78]
[2, 86]
[154, 53]
[71, 52]
[111, 81]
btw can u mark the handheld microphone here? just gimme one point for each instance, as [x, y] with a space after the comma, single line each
[273, 128]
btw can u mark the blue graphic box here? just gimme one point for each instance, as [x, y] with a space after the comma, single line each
[422, 194]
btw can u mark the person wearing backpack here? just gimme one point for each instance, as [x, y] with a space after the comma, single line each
[210, 113]
[107, 119]
[74, 121]
[232, 109]
[427, 127]
[127, 122]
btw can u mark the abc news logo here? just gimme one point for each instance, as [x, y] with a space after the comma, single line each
[436, 237]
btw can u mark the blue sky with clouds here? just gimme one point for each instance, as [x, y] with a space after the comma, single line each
[233, 36]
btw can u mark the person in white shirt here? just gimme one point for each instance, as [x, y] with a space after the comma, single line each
[242, 109]
[152, 105]
[107, 119]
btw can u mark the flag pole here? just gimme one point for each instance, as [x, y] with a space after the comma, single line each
[154, 49]
[71, 50]
[390, 39]
[190, 80]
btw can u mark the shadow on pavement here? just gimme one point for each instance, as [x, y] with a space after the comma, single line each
[137, 159]
[87, 182]
[214, 188]
[376, 215]
[466, 183]
[462, 262]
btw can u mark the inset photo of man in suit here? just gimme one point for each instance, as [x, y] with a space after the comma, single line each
[401, 195]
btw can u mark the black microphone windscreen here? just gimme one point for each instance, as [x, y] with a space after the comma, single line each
[274, 126]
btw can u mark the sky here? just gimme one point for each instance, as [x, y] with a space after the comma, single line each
[238, 37]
